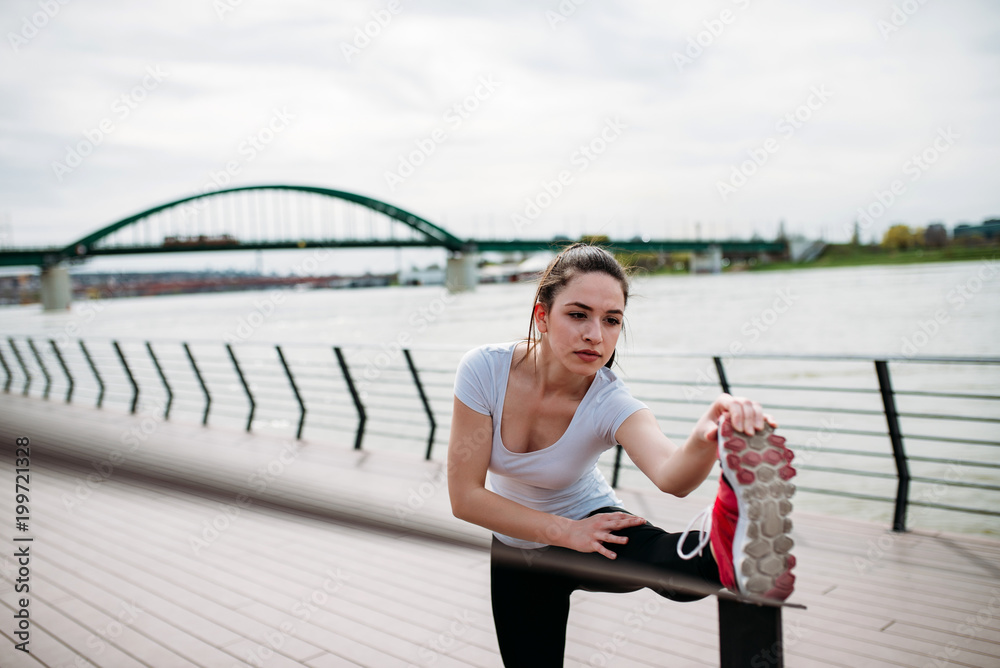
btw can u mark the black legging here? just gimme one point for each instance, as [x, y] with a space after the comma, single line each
[531, 595]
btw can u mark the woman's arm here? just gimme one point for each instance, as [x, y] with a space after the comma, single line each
[469, 449]
[678, 470]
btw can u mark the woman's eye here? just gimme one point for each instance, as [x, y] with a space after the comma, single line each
[577, 315]
[614, 321]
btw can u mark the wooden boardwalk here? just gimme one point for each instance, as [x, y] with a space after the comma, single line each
[199, 546]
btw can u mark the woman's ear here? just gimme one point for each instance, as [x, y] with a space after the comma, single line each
[540, 318]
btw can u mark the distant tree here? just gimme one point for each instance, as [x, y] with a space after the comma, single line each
[898, 237]
[935, 236]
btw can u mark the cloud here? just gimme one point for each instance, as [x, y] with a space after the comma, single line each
[559, 82]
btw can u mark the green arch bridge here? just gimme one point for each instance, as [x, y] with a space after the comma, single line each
[274, 217]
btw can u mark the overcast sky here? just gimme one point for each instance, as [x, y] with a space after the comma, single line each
[723, 117]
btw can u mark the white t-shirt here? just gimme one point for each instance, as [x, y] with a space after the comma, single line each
[562, 479]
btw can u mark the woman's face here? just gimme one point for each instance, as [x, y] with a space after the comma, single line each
[584, 323]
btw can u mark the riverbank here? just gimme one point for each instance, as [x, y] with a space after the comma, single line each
[847, 255]
[834, 255]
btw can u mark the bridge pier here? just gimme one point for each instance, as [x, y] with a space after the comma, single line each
[56, 292]
[709, 262]
[462, 272]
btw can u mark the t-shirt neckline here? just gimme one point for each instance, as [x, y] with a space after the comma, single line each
[503, 401]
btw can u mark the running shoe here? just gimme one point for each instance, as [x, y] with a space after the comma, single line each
[749, 523]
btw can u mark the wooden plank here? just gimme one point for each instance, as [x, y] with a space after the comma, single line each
[83, 641]
[874, 643]
[286, 563]
[45, 648]
[192, 636]
[972, 640]
[123, 556]
[904, 607]
[119, 631]
[250, 578]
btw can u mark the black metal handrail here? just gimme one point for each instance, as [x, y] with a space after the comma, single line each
[406, 396]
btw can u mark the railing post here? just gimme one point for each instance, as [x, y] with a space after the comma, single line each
[423, 398]
[20, 361]
[898, 452]
[246, 388]
[749, 635]
[362, 417]
[618, 465]
[6, 370]
[201, 381]
[298, 397]
[128, 372]
[723, 382]
[97, 375]
[62, 363]
[41, 365]
[163, 378]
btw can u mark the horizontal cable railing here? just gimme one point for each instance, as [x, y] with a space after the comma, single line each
[905, 431]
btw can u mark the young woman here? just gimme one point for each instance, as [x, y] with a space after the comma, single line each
[531, 418]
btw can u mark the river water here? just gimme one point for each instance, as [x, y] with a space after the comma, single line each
[946, 309]
[930, 309]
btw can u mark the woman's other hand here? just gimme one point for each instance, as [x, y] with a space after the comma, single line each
[590, 533]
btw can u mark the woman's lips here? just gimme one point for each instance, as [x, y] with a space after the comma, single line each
[588, 355]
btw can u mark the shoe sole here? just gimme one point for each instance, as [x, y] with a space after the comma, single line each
[758, 469]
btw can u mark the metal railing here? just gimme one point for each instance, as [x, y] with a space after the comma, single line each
[906, 431]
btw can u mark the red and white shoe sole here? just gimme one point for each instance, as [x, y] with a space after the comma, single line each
[758, 468]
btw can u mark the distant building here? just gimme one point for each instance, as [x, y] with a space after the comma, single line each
[428, 276]
[989, 230]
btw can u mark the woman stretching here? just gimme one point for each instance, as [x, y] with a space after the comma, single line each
[531, 419]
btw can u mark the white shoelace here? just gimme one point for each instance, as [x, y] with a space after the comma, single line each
[705, 517]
